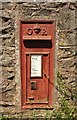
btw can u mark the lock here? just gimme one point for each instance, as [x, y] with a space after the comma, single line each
[33, 85]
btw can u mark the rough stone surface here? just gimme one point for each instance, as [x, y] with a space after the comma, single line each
[65, 48]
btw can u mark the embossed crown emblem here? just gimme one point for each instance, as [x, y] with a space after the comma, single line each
[37, 29]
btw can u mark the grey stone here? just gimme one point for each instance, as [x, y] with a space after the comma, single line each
[10, 75]
[66, 38]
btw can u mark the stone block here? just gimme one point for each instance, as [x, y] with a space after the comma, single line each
[66, 38]
[66, 19]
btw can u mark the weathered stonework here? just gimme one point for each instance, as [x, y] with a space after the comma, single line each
[65, 49]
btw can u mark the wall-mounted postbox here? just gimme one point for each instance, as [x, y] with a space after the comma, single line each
[37, 63]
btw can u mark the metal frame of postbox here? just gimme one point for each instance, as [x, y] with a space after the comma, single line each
[24, 103]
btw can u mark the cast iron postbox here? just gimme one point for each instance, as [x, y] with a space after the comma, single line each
[37, 63]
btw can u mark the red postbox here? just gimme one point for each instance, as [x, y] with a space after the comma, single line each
[37, 63]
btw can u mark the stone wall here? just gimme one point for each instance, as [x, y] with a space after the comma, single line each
[65, 48]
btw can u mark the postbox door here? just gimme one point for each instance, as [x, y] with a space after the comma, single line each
[38, 71]
[37, 63]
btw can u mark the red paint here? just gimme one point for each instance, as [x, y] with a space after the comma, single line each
[37, 38]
